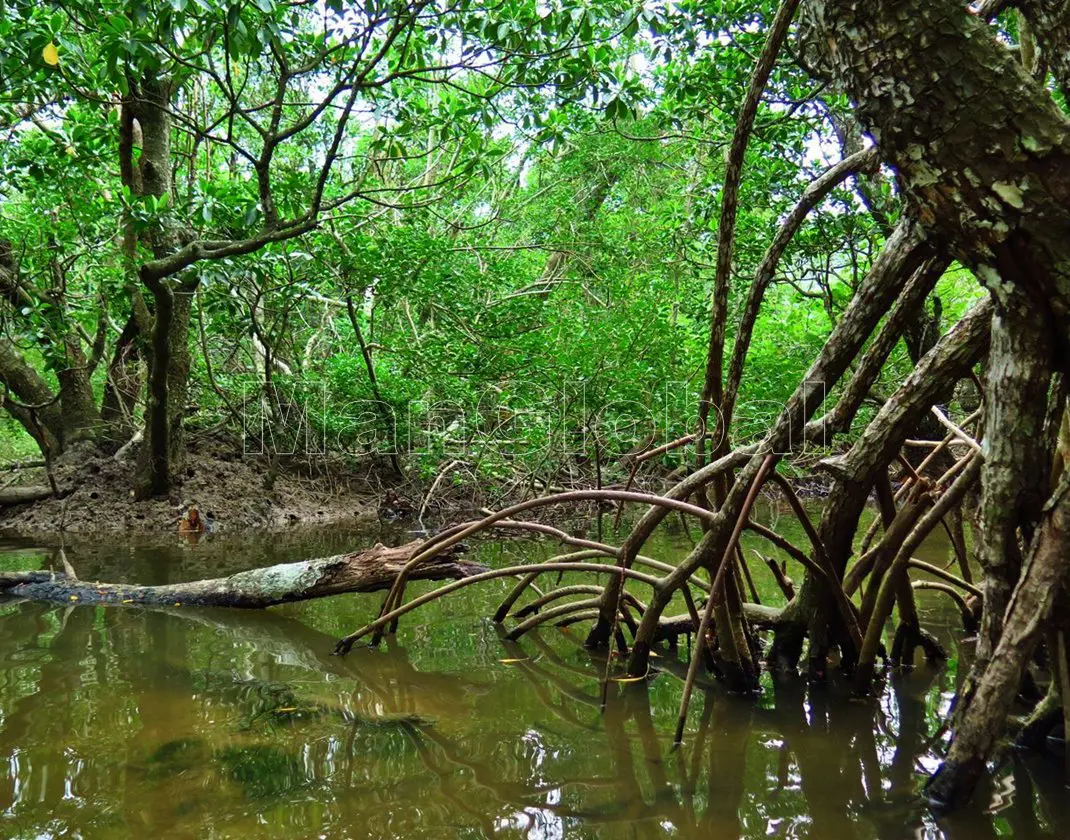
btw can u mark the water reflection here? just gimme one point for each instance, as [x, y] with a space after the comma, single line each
[216, 723]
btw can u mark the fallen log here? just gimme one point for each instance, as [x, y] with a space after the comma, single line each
[370, 570]
[10, 496]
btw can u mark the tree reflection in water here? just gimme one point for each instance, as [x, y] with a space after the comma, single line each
[120, 723]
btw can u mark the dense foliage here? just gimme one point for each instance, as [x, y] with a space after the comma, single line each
[525, 244]
[515, 209]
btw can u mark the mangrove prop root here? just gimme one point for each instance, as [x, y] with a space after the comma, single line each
[346, 644]
[554, 595]
[529, 579]
[454, 535]
[549, 615]
[970, 618]
[885, 596]
[715, 589]
[565, 591]
[945, 575]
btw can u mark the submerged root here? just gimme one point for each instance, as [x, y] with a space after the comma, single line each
[1042, 721]
[907, 638]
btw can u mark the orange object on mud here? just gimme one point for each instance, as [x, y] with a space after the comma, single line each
[192, 522]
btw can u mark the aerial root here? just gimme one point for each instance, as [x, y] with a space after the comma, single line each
[388, 616]
[970, 617]
[549, 615]
[723, 645]
[451, 536]
[565, 591]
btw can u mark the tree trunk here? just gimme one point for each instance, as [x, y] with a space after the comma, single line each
[56, 420]
[178, 372]
[169, 354]
[1049, 22]
[123, 385]
[154, 468]
[371, 570]
[981, 151]
[78, 408]
[982, 155]
[1016, 476]
[31, 390]
[983, 721]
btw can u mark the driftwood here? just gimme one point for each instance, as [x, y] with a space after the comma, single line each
[370, 570]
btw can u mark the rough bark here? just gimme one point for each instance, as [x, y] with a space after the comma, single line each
[70, 415]
[982, 155]
[981, 151]
[178, 371]
[158, 463]
[78, 419]
[31, 390]
[78, 408]
[1017, 464]
[371, 570]
[169, 354]
[984, 720]
[1049, 25]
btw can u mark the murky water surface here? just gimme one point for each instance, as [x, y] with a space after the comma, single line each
[119, 723]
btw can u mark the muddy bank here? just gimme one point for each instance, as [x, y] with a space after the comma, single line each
[243, 492]
[240, 491]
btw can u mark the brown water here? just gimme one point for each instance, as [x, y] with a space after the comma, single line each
[119, 723]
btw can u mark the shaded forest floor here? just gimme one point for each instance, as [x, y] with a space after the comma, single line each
[239, 490]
